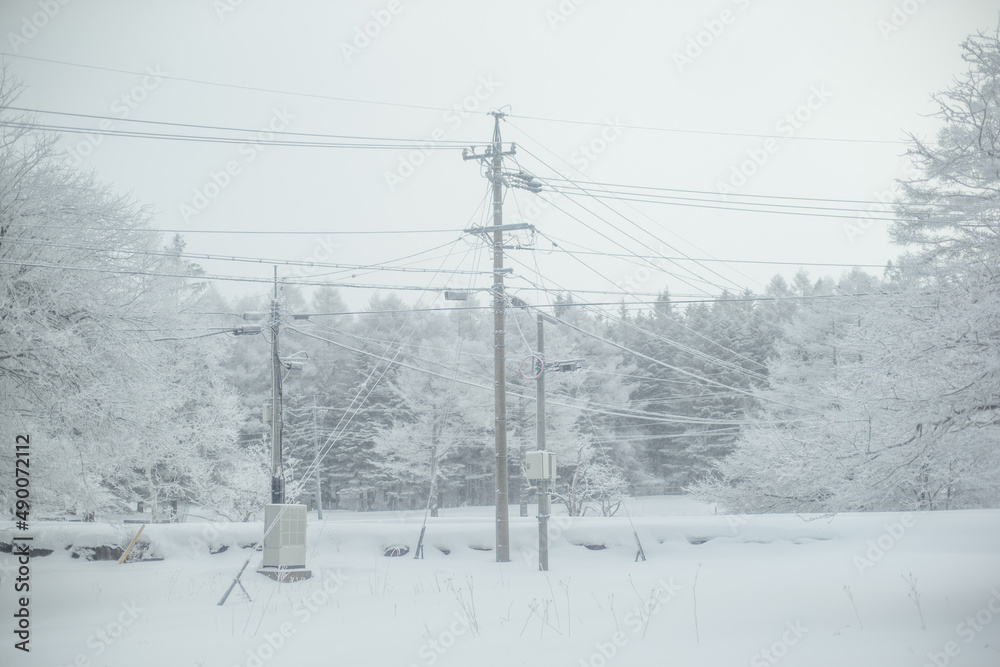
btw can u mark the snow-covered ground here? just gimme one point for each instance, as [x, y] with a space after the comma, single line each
[873, 589]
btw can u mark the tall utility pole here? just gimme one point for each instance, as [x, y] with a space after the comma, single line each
[540, 465]
[540, 385]
[273, 413]
[493, 157]
[277, 482]
[499, 351]
[284, 543]
[544, 504]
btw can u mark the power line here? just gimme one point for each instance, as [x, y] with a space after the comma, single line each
[690, 202]
[386, 342]
[445, 109]
[334, 436]
[697, 353]
[744, 297]
[733, 194]
[252, 260]
[687, 349]
[623, 247]
[615, 413]
[658, 400]
[700, 379]
[637, 210]
[668, 199]
[214, 333]
[634, 224]
[417, 142]
[686, 434]
[152, 230]
[411, 256]
[258, 141]
[663, 243]
[226, 85]
[804, 213]
[711, 132]
[561, 242]
[692, 351]
[245, 279]
[589, 304]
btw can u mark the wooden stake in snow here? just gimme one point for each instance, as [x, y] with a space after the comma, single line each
[132, 544]
[694, 594]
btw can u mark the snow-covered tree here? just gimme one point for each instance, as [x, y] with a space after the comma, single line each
[438, 421]
[892, 401]
[96, 362]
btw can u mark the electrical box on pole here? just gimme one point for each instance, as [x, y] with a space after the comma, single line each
[540, 465]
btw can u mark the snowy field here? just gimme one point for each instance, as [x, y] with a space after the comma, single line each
[874, 589]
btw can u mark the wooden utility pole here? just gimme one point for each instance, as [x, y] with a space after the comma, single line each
[499, 352]
[544, 503]
[540, 464]
[493, 159]
[277, 482]
[284, 543]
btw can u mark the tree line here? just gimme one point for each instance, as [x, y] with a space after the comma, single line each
[861, 392]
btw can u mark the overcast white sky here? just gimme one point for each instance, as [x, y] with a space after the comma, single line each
[866, 67]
